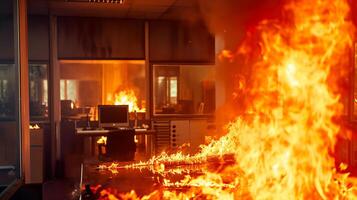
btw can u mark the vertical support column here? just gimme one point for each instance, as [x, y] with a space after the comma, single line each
[351, 97]
[147, 72]
[352, 82]
[54, 95]
[21, 61]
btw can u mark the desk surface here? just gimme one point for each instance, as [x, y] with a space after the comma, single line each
[104, 132]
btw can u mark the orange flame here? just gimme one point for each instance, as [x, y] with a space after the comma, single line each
[102, 140]
[127, 97]
[33, 127]
[283, 146]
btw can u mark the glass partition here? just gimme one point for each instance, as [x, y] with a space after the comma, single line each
[184, 89]
[9, 98]
[85, 84]
[7, 92]
[38, 86]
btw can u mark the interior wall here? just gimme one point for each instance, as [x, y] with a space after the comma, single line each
[80, 71]
[114, 76]
[8, 138]
[178, 41]
[192, 82]
[38, 33]
[89, 80]
[6, 38]
[100, 38]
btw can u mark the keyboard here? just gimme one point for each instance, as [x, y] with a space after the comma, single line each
[118, 128]
[125, 128]
[99, 131]
[140, 129]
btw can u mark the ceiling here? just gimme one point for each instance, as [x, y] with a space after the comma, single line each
[137, 9]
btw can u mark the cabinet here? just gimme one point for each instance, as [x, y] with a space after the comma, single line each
[191, 131]
[179, 133]
[36, 155]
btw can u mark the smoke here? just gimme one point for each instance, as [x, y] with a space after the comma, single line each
[230, 21]
[353, 4]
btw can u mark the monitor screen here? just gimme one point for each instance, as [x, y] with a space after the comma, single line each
[113, 115]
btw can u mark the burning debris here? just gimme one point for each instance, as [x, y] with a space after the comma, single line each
[283, 151]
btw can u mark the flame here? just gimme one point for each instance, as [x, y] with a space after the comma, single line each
[283, 146]
[102, 140]
[113, 167]
[225, 54]
[127, 97]
[33, 127]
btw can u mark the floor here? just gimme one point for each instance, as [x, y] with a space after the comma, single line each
[68, 187]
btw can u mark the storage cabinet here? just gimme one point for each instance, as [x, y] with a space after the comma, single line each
[36, 155]
[179, 133]
[198, 130]
[192, 131]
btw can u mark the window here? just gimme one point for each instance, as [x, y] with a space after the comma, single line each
[184, 89]
[7, 92]
[173, 89]
[10, 124]
[38, 86]
[88, 83]
[69, 90]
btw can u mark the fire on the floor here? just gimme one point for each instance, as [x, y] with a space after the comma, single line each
[282, 147]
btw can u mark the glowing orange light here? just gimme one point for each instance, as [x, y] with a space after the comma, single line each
[283, 149]
[102, 140]
[128, 97]
[33, 127]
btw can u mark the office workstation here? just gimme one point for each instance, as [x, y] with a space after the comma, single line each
[114, 128]
[178, 99]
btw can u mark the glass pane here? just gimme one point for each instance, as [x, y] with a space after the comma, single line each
[38, 85]
[7, 92]
[88, 83]
[9, 121]
[173, 90]
[184, 89]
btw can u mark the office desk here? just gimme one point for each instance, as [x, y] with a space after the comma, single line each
[104, 132]
[149, 135]
[149, 140]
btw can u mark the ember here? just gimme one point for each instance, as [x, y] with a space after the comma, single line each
[283, 151]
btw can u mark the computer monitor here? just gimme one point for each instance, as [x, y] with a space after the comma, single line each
[113, 115]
